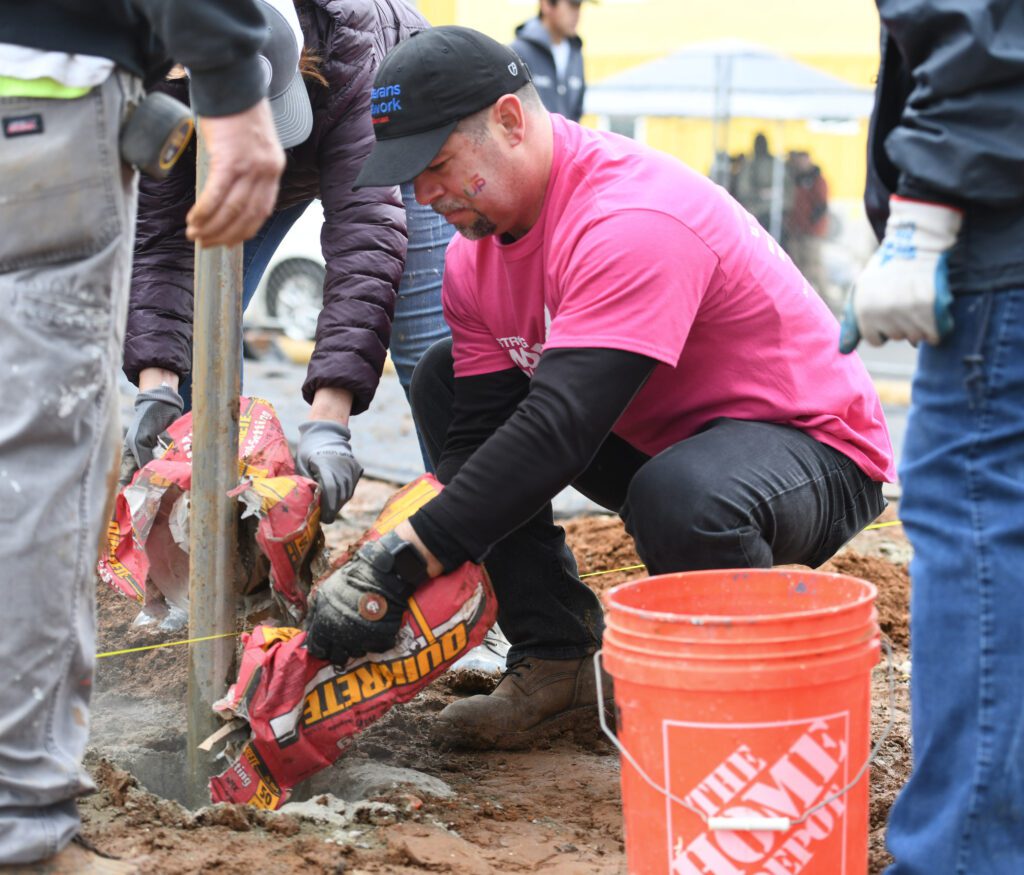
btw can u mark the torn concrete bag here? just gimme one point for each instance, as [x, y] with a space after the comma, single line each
[148, 538]
[301, 710]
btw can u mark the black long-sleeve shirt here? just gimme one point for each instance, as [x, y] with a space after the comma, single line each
[515, 442]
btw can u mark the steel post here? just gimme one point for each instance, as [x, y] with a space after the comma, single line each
[213, 527]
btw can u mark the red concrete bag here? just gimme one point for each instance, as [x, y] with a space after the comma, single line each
[147, 540]
[301, 710]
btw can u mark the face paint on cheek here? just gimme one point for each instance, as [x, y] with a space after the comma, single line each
[476, 185]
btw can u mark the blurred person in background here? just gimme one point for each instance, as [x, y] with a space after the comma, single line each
[737, 163]
[375, 293]
[554, 53]
[754, 182]
[945, 193]
[71, 74]
[805, 218]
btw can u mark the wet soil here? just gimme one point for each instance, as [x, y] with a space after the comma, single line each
[554, 810]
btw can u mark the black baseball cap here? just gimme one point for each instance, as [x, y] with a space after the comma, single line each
[424, 88]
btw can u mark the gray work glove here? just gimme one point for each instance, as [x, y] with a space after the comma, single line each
[155, 410]
[325, 455]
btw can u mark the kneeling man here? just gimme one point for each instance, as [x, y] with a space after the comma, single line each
[619, 324]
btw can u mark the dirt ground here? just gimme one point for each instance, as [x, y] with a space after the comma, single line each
[555, 810]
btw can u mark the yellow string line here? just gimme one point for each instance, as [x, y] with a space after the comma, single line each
[167, 644]
[612, 571]
[419, 616]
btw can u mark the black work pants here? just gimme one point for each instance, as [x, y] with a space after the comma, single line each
[737, 494]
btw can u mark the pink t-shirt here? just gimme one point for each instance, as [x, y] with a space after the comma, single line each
[634, 251]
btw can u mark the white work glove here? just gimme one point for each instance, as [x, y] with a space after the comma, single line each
[325, 455]
[903, 293]
[155, 410]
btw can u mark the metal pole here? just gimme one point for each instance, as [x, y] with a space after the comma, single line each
[213, 527]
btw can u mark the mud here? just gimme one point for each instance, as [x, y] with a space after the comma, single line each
[394, 803]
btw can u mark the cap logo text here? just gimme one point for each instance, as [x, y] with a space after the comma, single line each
[385, 100]
[513, 68]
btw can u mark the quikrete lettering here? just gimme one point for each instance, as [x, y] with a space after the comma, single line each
[372, 679]
[267, 793]
[113, 541]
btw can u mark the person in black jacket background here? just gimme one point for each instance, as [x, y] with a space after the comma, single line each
[945, 193]
[70, 72]
[554, 53]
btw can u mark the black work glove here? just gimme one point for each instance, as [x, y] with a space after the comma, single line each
[155, 410]
[325, 455]
[358, 609]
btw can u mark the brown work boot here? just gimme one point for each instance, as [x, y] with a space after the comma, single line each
[535, 699]
[75, 859]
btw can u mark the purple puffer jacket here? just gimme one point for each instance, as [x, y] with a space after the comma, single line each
[364, 235]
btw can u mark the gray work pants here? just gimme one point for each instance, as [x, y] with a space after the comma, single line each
[67, 218]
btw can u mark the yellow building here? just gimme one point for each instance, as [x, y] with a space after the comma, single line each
[837, 36]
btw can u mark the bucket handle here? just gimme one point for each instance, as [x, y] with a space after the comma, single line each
[770, 824]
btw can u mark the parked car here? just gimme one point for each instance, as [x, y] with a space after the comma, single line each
[291, 291]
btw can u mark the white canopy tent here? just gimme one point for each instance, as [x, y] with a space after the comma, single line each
[726, 79]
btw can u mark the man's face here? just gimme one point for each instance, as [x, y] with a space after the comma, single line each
[465, 184]
[562, 18]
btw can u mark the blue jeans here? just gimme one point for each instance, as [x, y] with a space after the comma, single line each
[963, 509]
[257, 252]
[418, 321]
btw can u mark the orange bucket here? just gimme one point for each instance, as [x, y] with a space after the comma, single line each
[744, 705]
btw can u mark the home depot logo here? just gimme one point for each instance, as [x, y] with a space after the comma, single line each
[756, 780]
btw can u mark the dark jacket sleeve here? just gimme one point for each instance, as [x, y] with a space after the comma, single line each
[960, 137]
[159, 329]
[218, 41]
[364, 237]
